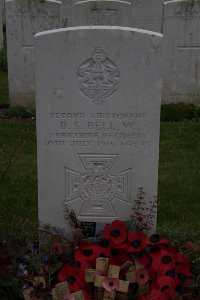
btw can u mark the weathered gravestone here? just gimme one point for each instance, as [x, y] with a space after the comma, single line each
[181, 52]
[102, 12]
[67, 13]
[98, 110]
[147, 14]
[24, 19]
[1, 25]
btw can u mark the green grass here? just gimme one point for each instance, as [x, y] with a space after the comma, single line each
[18, 197]
[4, 89]
[179, 179]
[179, 176]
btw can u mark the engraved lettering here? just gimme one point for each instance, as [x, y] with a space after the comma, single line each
[128, 124]
[97, 129]
[63, 125]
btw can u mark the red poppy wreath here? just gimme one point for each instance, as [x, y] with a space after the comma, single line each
[124, 264]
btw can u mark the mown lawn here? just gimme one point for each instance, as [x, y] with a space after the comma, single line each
[179, 177]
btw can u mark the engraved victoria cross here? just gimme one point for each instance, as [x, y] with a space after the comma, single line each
[95, 190]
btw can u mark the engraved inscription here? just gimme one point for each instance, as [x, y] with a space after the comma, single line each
[103, 17]
[100, 129]
[98, 186]
[98, 77]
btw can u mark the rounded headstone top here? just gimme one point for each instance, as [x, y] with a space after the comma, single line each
[130, 29]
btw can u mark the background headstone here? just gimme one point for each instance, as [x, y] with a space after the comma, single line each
[147, 14]
[97, 126]
[67, 13]
[24, 19]
[1, 25]
[181, 52]
[102, 12]
[4, 14]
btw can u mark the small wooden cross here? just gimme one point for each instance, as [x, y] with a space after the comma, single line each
[61, 291]
[106, 276]
[131, 277]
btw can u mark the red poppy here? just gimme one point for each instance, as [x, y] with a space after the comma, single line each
[142, 276]
[155, 239]
[155, 294]
[119, 256]
[162, 260]
[110, 284]
[105, 247]
[81, 264]
[167, 286]
[183, 274]
[166, 271]
[116, 232]
[87, 252]
[74, 279]
[181, 261]
[87, 295]
[138, 241]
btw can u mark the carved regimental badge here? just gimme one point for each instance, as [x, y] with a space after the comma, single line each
[95, 191]
[98, 77]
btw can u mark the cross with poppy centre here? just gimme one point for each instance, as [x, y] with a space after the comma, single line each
[62, 292]
[106, 276]
[97, 187]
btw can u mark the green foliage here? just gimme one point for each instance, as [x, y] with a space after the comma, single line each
[10, 288]
[196, 270]
[18, 227]
[20, 112]
[179, 112]
[4, 90]
[3, 60]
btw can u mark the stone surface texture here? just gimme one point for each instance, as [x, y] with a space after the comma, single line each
[1, 25]
[181, 52]
[102, 12]
[147, 14]
[98, 111]
[23, 20]
[67, 13]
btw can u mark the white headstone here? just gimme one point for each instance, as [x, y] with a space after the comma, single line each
[67, 13]
[24, 19]
[147, 14]
[4, 15]
[102, 12]
[181, 52]
[1, 25]
[98, 112]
